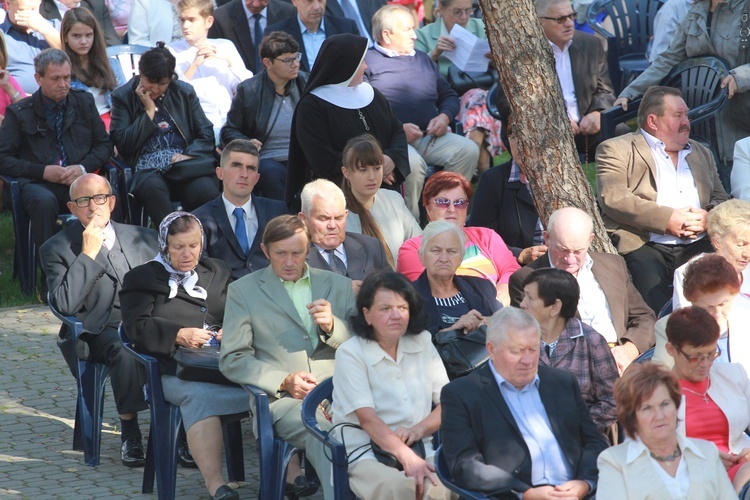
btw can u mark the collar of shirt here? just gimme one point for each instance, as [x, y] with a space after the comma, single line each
[338, 252]
[588, 263]
[374, 353]
[305, 31]
[636, 448]
[501, 382]
[391, 53]
[658, 146]
[229, 207]
[305, 277]
[558, 50]
[51, 106]
[249, 15]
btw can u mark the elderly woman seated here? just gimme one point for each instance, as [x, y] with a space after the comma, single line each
[712, 283]
[716, 397]
[551, 296]
[386, 380]
[446, 196]
[174, 301]
[658, 462]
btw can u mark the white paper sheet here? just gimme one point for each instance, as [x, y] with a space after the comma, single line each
[470, 50]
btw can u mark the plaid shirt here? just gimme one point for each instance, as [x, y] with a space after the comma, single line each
[583, 351]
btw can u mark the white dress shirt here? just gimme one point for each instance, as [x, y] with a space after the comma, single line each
[565, 76]
[592, 305]
[251, 218]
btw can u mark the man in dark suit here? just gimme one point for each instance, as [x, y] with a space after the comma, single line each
[311, 22]
[238, 245]
[332, 248]
[513, 427]
[359, 11]
[85, 265]
[609, 302]
[244, 21]
[582, 69]
[98, 8]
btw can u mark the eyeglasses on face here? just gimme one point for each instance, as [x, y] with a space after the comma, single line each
[462, 12]
[444, 203]
[289, 61]
[700, 357]
[84, 201]
[561, 19]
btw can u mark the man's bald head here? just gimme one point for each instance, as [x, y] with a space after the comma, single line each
[569, 234]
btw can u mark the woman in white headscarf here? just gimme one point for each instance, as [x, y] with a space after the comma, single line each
[336, 106]
[175, 300]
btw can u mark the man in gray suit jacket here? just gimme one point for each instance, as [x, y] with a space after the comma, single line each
[332, 248]
[85, 265]
[282, 326]
[609, 302]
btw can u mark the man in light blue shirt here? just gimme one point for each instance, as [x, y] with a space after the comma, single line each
[514, 427]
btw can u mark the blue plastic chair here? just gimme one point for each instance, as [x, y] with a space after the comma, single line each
[444, 474]
[126, 57]
[633, 25]
[161, 456]
[646, 356]
[91, 379]
[339, 460]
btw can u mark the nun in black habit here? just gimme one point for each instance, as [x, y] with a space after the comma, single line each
[335, 107]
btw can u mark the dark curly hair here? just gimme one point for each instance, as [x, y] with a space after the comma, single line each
[157, 64]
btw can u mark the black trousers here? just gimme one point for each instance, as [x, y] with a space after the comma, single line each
[156, 193]
[272, 179]
[43, 202]
[652, 268]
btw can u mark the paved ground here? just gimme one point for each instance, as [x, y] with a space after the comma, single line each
[37, 409]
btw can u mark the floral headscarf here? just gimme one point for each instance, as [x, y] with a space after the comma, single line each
[187, 279]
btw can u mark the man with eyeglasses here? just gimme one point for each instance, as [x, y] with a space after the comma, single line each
[50, 139]
[263, 107]
[421, 98]
[213, 67]
[582, 69]
[311, 26]
[85, 265]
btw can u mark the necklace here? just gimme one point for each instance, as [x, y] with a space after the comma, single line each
[705, 393]
[668, 458]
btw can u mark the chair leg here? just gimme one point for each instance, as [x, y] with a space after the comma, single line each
[282, 452]
[165, 424]
[92, 378]
[77, 433]
[149, 470]
[233, 450]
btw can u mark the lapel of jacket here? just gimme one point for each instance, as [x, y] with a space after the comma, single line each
[334, 8]
[133, 259]
[701, 176]
[550, 396]
[356, 257]
[272, 287]
[492, 393]
[321, 285]
[641, 148]
[294, 29]
[242, 32]
[577, 69]
[611, 288]
[220, 214]
[314, 259]
[76, 245]
[262, 214]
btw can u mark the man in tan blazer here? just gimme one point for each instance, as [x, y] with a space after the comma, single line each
[609, 302]
[282, 325]
[655, 187]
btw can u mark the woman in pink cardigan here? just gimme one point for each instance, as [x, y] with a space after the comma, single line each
[446, 196]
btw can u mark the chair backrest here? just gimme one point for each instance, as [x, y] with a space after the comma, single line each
[646, 356]
[127, 56]
[632, 23]
[444, 474]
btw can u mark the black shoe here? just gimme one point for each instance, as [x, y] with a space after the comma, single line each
[301, 487]
[132, 454]
[184, 456]
[224, 492]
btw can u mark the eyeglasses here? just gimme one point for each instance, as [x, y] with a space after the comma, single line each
[84, 201]
[444, 203]
[561, 19]
[701, 357]
[289, 61]
[462, 12]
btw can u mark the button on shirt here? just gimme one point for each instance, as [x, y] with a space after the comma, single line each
[312, 41]
[251, 218]
[675, 187]
[300, 292]
[565, 75]
[548, 464]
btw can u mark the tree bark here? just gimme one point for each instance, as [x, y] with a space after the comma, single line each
[526, 68]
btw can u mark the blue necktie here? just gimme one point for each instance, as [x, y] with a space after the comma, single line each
[59, 119]
[257, 38]
[240, 230]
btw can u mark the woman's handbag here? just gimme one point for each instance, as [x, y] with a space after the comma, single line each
[192, 168]
[462, 81]
[461, 353]
[200, 364]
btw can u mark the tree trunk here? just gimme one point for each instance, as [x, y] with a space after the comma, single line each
[527, 73]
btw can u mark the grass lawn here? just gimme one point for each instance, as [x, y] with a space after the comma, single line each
[10, 289]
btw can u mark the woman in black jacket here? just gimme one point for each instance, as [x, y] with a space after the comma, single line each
[162, 133]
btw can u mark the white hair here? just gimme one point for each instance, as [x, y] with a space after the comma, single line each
[508, 320]
[320, 188]
[439, 227]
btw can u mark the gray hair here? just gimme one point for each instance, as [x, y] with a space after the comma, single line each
[439, 227]
[542, 5]
[47, 57]
[508, 320]
[571, 215]
[727, 217]
[320, 188]
[383, 20]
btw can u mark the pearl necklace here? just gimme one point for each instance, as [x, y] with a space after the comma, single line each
[705, 393]
[669, 458]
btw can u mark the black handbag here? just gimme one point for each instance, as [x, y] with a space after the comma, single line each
[461, 353]
[389, 459]
[193, 168]
[200, 364]
[463, 81]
